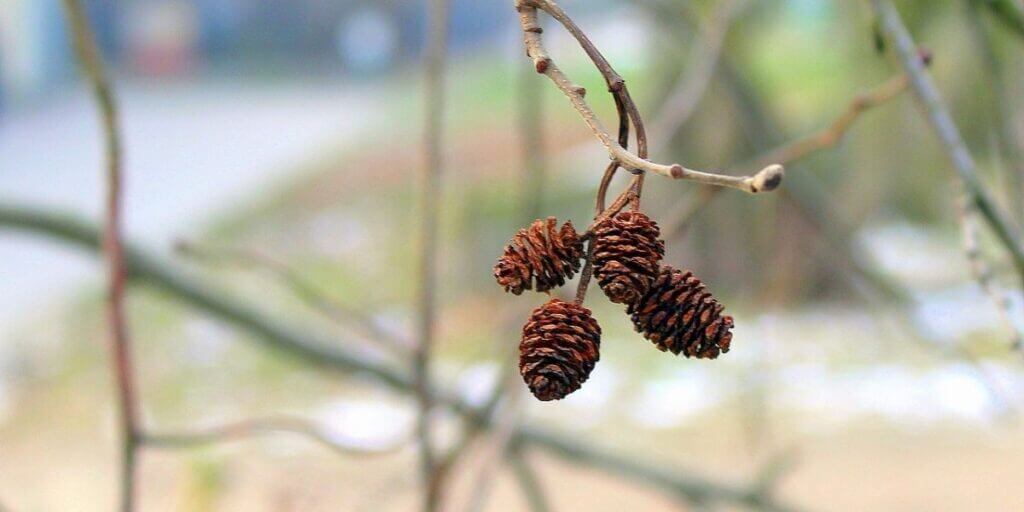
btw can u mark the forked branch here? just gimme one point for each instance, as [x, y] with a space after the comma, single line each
[939, 118]
[94, 69]
[764, 180]
[790, 152]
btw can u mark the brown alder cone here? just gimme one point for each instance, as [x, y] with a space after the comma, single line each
[558, 350]
[539, 257]
[679, 315]
[627, 255]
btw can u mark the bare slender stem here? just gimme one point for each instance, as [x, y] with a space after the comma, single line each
[305, 290]
[534, 152]
[622, 102]
[435, 56]
[1009, 137]
[504, 427]
[682, 101]
[981, 271]
[531, 197]
[680, 218]
[239, 430]
[532, 488]
[91, 62]
[305, 346]
[946, 130]
[767, 179]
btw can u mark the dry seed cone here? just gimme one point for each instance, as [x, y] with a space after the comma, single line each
[540, 257]
[627, 255]
[558, 350]
[680, 315]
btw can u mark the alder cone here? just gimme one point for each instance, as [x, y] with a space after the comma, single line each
[627, 255]
[558, 350]
[539, 257]
[679, 315]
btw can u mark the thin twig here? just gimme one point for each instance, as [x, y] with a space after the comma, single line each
[532, 488]
[946, 130]
[502, 431]
[91, 62]
[680, 218]
[981, 271]
[325, 353]
[435, 56]
[531, 197]
[240, 430]
[534, 152]
[767, 179]
[302, 288]
[1008, 135]
[682, 101]
[815, 205]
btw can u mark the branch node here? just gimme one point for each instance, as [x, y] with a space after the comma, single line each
[677, 171]
[542, 64]
[925, 55]
[768, 179]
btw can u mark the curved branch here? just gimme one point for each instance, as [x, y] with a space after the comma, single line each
[949, 135]
[239, 430]
[327, 354]
[303, 289]
[91, 62]
[766, 179]
[825, 138]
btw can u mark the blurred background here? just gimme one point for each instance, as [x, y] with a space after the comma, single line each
[869, 369]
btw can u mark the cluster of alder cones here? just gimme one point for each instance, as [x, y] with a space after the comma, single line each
[561, 340]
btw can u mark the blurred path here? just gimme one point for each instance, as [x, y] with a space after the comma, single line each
[192, 150]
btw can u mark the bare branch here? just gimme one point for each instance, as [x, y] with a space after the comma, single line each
[326, 354]
[981, 271]
[1008, 135]
[302, 288]
[240, 430]
[503, 428]
[681, 217]
[682, 101]
[91, 62]
[941, 121]
[434, 56]
[532, 488]
[829, 136]
[766, 179]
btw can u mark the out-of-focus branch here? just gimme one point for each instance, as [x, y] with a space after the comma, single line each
[1008, 12]
[435, 56]
[680, 218]
[982, 272]
[1001, 109]
[326, 354]
[815, 204]
[502, 429]
[765, 180]
[532, 489]
[682, 101]
[240, 430]
[505, 398]
[91, 62]
[301, 288]
[940, 120]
